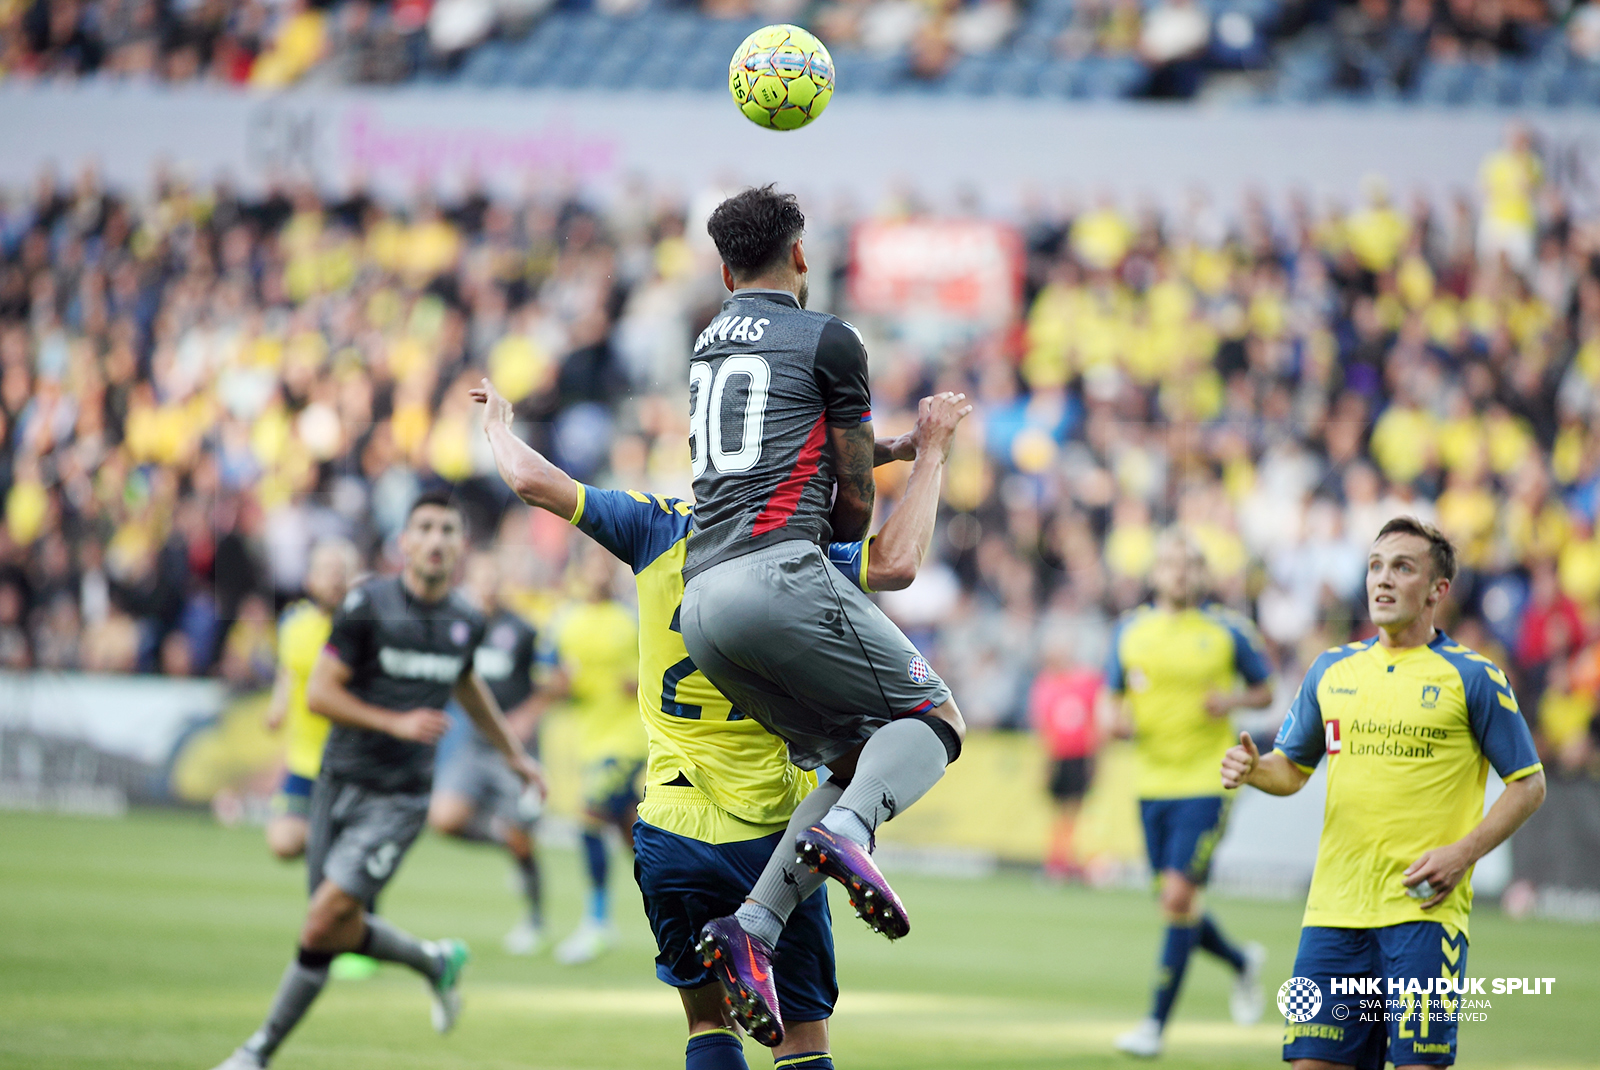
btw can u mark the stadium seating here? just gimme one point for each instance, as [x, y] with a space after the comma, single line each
[1072, 49]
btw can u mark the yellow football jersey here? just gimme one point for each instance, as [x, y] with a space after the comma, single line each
[1164, 665]
[597, 643]
[302, 633]
[742, 783]
[1409, 735]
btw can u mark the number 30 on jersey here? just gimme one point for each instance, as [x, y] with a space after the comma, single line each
[709, 439]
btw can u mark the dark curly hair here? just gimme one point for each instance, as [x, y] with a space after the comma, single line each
[754, 229]
[439, 496]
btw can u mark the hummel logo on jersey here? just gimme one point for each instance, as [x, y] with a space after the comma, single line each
[731, 329]
[420, 665]
[834, 623]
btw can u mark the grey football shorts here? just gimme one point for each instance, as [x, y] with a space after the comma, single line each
[358, 836]
[801, 650]
[479, 774]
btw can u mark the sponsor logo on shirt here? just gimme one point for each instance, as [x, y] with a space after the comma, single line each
[420, 664]
[492, 663]
[1398, 739]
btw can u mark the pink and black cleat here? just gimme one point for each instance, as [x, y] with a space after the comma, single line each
[851, 865]
[743, 964]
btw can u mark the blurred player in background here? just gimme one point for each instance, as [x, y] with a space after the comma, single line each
[594, 644]
[400, 646]
[476, 796]
[720, 788]
[1061, 705]
[302, 633]
[1410, 721]
[1172, 681]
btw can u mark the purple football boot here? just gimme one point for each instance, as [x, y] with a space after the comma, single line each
[851, 865]
[744, 966]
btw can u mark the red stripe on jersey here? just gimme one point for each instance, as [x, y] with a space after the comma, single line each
[786, 499]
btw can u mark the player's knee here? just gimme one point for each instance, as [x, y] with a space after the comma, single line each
[331, 918]
[950, 713]
[1177, 898]
[448, 816]
[286, 839]
[950, 733]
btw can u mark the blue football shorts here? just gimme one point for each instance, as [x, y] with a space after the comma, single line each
[1183, 834]
[686, 883]
[1363, 1029]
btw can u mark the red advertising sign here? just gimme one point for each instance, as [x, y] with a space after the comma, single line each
[957, 269]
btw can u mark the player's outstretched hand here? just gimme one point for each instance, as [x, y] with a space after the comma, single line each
[499, 410]
[531, 772]
[421, 725]
[1239, 762]
[1441, 869]
[937, 417]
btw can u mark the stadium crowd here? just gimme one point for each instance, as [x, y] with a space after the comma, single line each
[195, 386]
[1438, 51]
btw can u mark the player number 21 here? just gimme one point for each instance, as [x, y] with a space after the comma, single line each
[708, 394]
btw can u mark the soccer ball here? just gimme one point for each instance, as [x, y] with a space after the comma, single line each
[781, 77]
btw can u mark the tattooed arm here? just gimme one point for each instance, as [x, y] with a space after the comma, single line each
[853, 455]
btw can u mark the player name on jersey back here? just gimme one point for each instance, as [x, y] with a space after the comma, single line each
[767, 380]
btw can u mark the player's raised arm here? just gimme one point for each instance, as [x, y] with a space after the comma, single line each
[897, 551]
[525, 470]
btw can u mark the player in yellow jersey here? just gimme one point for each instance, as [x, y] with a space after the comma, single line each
[302, 633]
[1173, 678]
[1410, 722]
[594, 644]
[720, 789]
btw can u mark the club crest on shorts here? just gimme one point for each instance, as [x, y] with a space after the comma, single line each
[460, 632]
[919, 670]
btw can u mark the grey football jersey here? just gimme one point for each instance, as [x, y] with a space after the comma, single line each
[766, 381]
[403, 653]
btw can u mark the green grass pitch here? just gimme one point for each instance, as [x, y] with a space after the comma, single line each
[156, 942]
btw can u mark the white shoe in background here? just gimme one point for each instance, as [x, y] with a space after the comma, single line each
[525, 938]
[1145, 1041]
[588, 942]
[1247, 1003]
